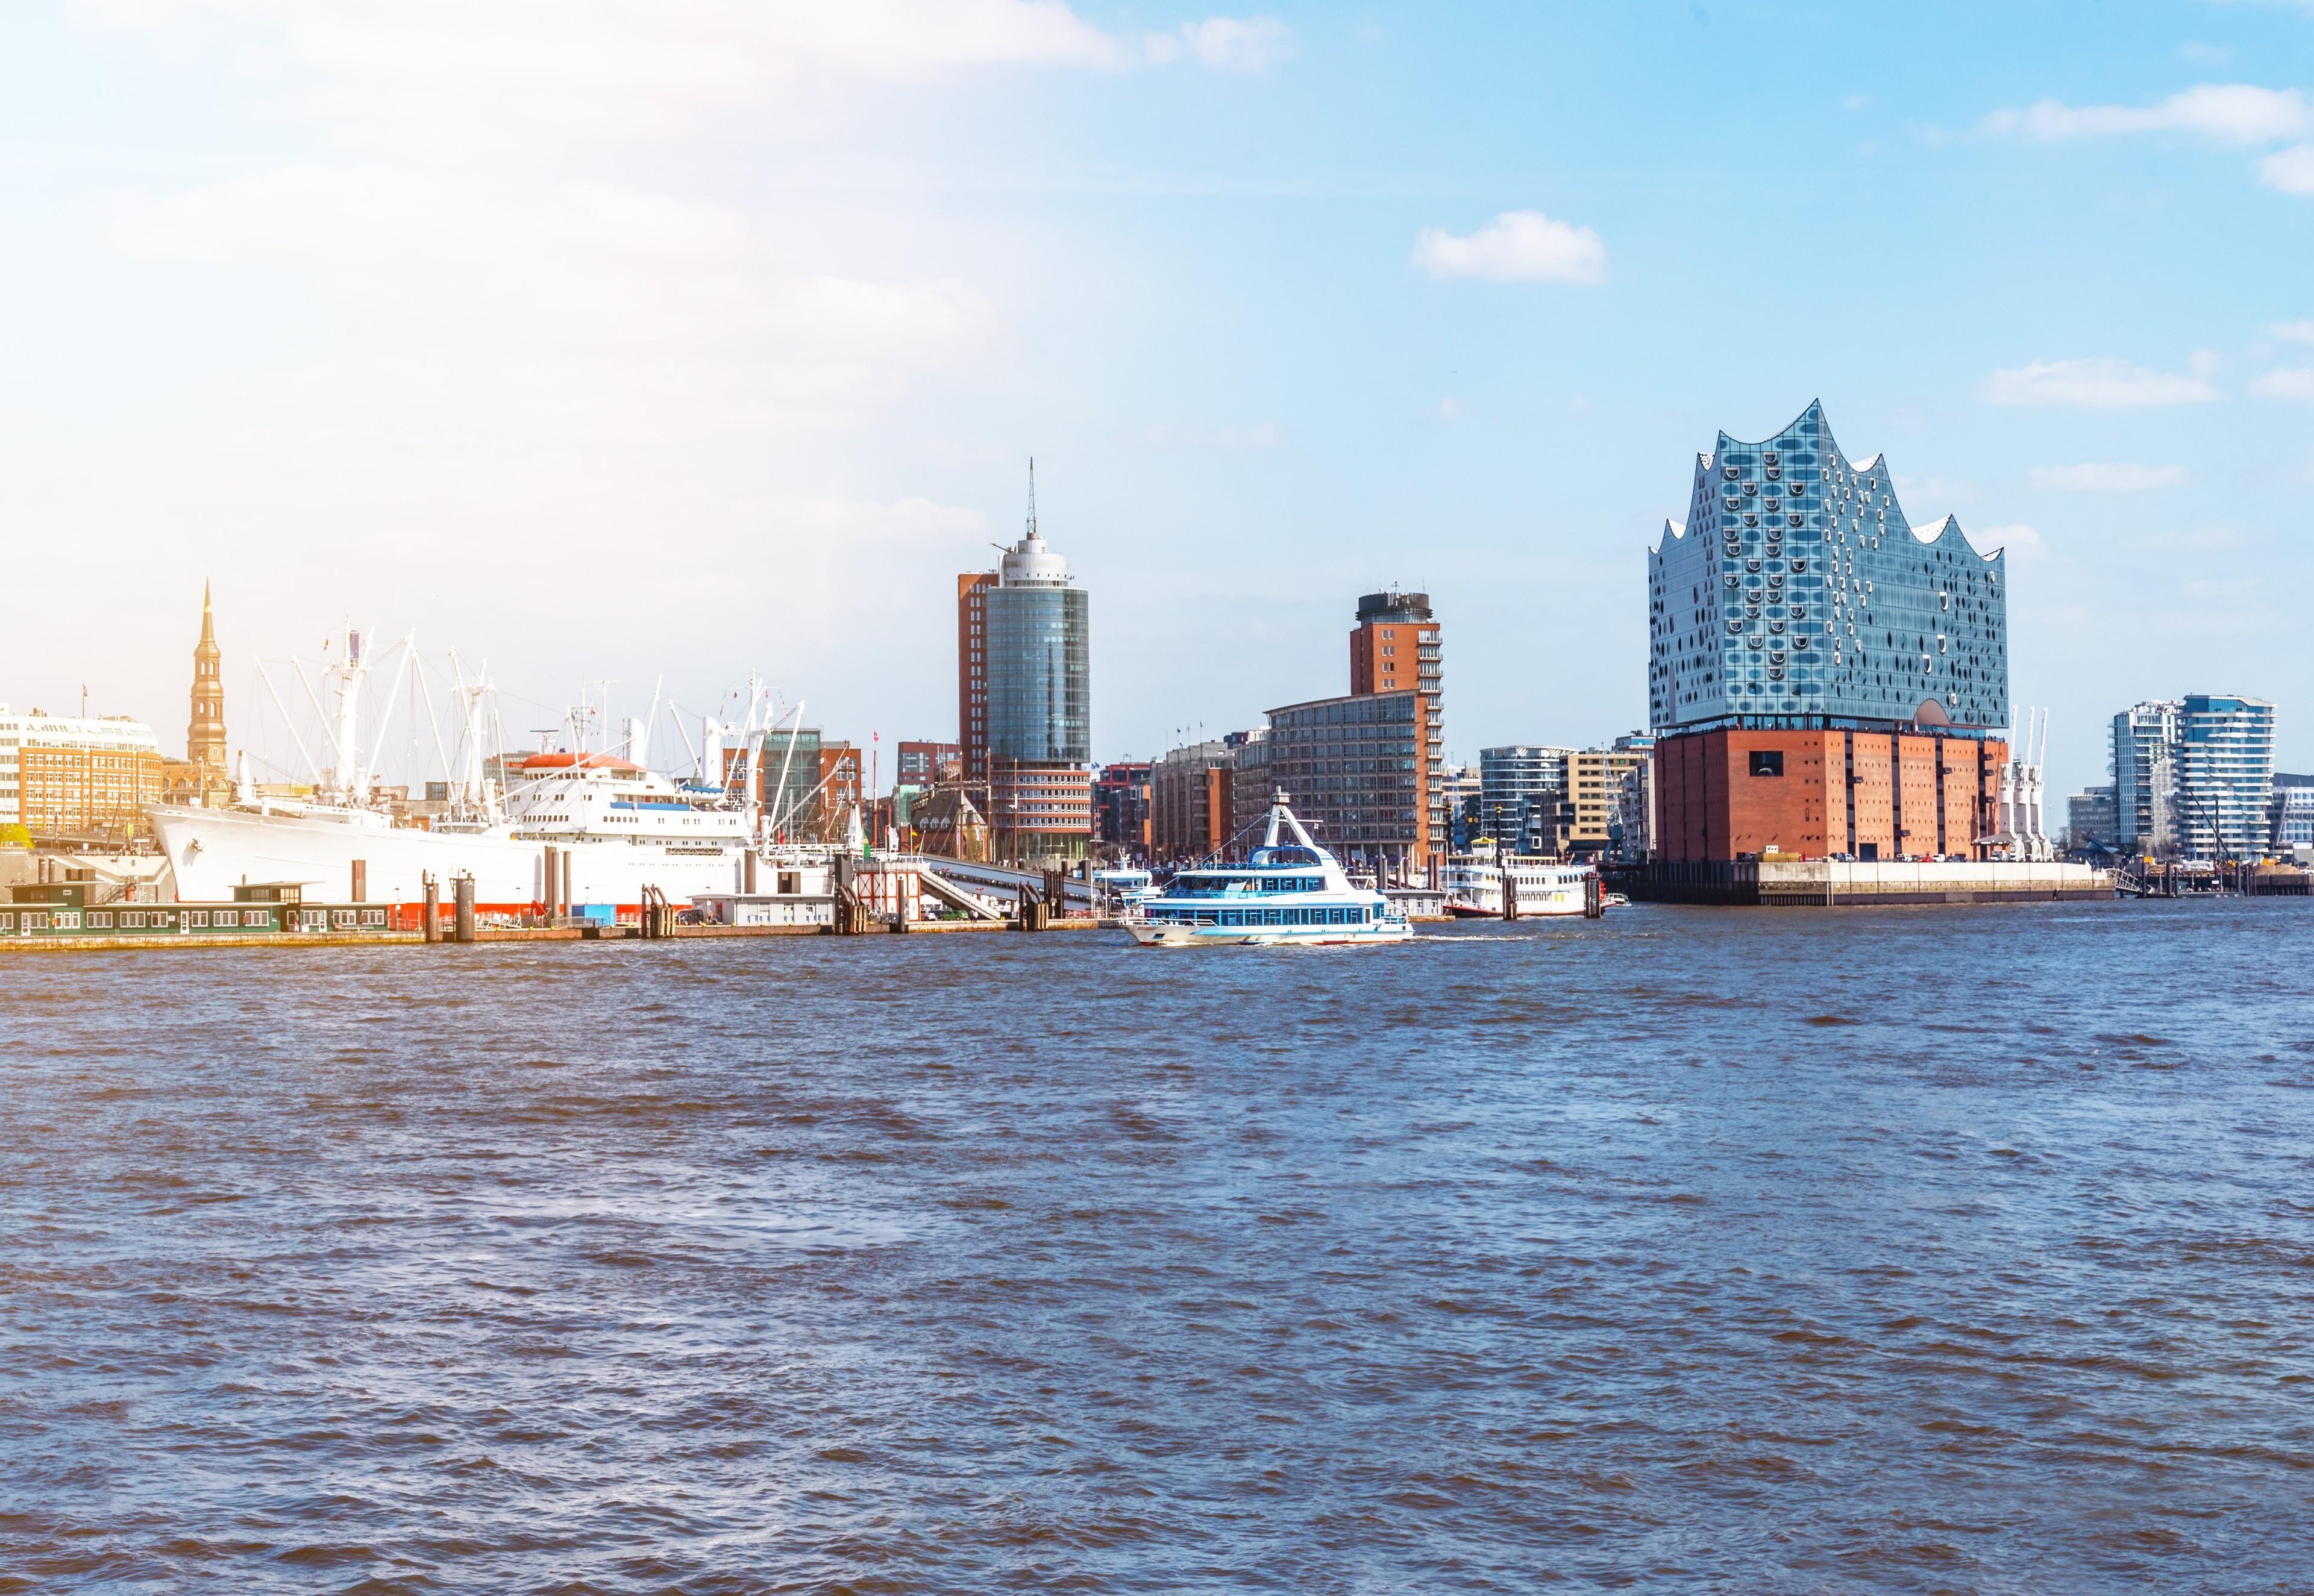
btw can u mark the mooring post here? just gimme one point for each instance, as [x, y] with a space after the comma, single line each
[1595, 897]
[433, 926]
[361, 881]
[463, 887]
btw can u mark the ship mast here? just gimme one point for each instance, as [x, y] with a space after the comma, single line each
[345, 733]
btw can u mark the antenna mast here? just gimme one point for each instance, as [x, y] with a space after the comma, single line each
[1032, 495]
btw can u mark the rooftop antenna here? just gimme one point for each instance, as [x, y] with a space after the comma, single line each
[1032, 495]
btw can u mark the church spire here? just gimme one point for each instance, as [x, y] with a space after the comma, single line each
[204, 736]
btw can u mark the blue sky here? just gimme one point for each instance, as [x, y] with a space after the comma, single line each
[644, 341]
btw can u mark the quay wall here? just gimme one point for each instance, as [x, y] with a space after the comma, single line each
[1859, 884]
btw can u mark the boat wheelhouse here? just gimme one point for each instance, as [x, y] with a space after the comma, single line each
[1289, 890]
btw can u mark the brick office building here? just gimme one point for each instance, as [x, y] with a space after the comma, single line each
[1824, 681]
[1395, 647]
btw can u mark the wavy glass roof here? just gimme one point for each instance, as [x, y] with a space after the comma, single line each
[1797, 587]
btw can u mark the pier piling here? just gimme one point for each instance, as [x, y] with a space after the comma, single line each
[433, 911]
[463, 887]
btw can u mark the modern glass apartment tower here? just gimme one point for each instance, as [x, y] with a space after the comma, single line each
[2145, 777]
[2225, 776]
[2194, 776]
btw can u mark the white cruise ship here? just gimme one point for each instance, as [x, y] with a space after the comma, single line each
[579, 828]
[1474, 886]
[616, 827]
[1290, 891]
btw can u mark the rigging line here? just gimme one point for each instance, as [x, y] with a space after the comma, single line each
[441, 753]
[289, 724]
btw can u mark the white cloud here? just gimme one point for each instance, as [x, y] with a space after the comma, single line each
[1518, 246]
[2108, 479]
[1451, 409]
[2231, 113]
[2096, 384]
[447, 78]
[548, 274]
[2289, 383]
[2291, 171]
[1226, 44]
[2298, 332]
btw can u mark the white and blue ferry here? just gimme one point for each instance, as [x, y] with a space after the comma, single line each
[1291, 890]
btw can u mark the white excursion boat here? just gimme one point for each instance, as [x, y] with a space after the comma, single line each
[1290, 891]
[1474, 886]
[1124, 885]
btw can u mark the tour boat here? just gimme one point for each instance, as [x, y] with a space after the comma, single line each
[1474, 886]
[1289, 891]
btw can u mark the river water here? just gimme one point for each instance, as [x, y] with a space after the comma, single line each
[1967, 1249]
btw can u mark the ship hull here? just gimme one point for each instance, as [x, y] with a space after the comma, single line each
[1176, 934]
[213, 850]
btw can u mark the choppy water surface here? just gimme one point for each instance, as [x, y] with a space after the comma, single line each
[1918, 1251]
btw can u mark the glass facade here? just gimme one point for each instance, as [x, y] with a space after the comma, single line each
[2194, 775]
[2145, 775]
[1798, 588]
[2089, 818]
[2225, 776]
[1039, 677]
[2293, 817]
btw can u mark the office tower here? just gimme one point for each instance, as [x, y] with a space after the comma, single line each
[2089, 818]
[1033, 639]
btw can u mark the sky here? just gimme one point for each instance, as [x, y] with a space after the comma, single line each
[661, 343]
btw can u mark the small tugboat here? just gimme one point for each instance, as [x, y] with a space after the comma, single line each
[1291, 890]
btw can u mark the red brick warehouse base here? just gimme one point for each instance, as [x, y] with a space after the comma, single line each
[1723, 795]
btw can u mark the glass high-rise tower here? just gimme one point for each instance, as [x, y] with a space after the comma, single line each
[1025, 649]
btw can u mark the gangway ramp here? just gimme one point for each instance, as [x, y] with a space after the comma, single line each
[1003, 881]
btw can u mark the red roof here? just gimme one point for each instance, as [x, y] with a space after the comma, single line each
[593, 761]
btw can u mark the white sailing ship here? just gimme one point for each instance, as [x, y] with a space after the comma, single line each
[586, 828]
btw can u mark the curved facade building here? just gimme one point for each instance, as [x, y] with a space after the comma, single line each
[1826, 680]
[1798, 588]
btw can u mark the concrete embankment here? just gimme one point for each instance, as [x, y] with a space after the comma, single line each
[1825, 883]
[379, 938]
